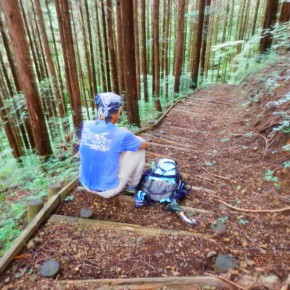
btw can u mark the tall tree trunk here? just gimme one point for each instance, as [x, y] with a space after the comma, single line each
[285, 12]
[204, 40]
[32, 47]
[20, 46]
[49, 60]
[9, 56]
[269, 21]
[120, 47]
[92, 54]
[87, 56]
[144, 56]
[63, 16]
[112, 47]
[156, 88]
[105, 38]
[129, 62]
[136, 39]
[255, 17]
[9, 129]
[179, 45]
[102, 59]
[60, 80]
[196, 59]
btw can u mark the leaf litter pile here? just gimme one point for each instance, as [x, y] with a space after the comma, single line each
[231, 143]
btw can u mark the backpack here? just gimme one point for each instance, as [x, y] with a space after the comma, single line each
[161, 183]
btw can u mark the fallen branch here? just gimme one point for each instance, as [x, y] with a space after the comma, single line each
[254, 210]
[230, 282]
[222, 177]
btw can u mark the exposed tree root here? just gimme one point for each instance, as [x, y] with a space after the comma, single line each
[254, 210]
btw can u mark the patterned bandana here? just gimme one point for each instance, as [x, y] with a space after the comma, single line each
[108, 103]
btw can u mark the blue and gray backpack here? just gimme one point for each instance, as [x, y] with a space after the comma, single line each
[162, 183]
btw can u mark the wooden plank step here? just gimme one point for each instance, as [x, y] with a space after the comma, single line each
[44, 213]
[124, 227]
[183, 283]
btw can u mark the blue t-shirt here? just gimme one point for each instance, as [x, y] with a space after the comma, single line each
[100, 148]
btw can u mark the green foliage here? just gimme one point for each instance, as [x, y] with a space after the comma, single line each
[225, 140]
[284, 127]
[269, 176]
[286, 147]
[249, 134]
[223, 219]
[243, 222]
[286, 164]
[11, 215]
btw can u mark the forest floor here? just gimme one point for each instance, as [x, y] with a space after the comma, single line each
[230, 146]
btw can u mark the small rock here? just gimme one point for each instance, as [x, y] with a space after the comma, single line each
[271, 281]
[7, 280]
[156, 134]
[246, 280]
[218, 226]
[161, 131]
[211, 254]
[86, 213]
[224, 263]
[50, 269]
[30, 245]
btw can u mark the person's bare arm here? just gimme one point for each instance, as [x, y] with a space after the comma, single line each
[144, 144]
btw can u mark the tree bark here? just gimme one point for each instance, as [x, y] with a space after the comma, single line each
[179, 45]
[156, 87]
[63, 16]
[92, 54]
[269, 21]
[285, 12]
[144, 56]
[105, 39]
[49, 60]
[196, 59]
[129, 62]
[136, 39]
[111, 37]
[20, 46]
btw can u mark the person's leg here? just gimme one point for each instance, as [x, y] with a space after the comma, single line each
[130, 172]
[131, 167]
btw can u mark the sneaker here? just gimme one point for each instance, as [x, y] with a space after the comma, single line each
[131, 190]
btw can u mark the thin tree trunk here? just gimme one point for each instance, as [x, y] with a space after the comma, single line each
[111, 37]
[179, 45]
[102, 59]
[105, 38]
[92, 54]
[255, 17]
[129, 62]
[20, 46]
[156, 88]
[144, 56]
[120, 47]
[56, 54]
[204, 40]
[69, 54]
[136, 39]
[49, 60]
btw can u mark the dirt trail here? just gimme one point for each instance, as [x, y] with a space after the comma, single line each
[212, 136]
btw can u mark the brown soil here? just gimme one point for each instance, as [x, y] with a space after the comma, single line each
[223, 144]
